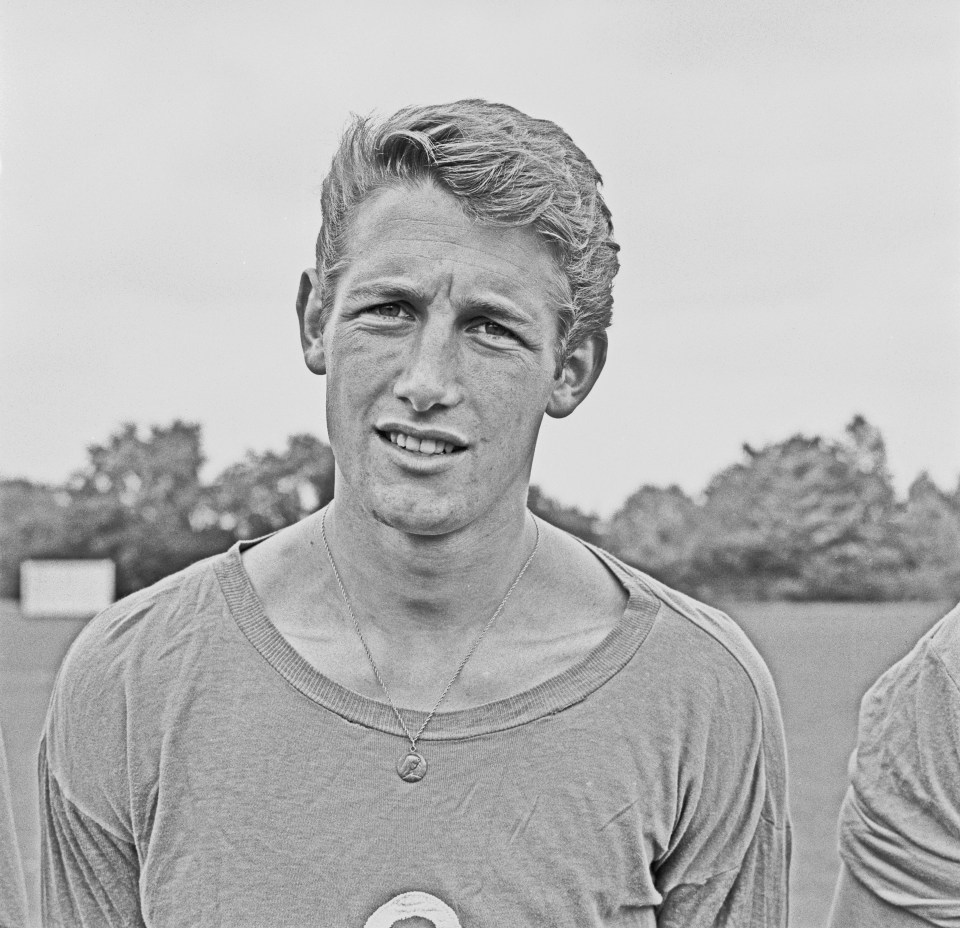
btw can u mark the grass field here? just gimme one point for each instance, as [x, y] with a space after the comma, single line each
[822, 656]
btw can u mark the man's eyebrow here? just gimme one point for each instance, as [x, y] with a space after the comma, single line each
[501, 311]
[383, 289]
[392, 289]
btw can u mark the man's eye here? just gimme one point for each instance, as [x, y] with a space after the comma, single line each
[389, 311]
[486, 327]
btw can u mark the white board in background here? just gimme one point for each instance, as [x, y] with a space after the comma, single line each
[66, 588]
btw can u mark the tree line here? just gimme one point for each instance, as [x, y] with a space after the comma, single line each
[807, 518]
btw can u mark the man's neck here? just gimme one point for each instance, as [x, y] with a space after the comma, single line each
[420, 601]
[410, 584]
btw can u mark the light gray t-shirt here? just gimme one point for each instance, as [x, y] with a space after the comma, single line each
[900, 821]
[197, 770]
[13, 896]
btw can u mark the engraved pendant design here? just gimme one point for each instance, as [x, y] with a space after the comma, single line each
[412, 766]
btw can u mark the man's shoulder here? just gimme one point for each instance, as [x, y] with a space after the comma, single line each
[131, 630]
[119, 672]
[713, 678]
[707, 634]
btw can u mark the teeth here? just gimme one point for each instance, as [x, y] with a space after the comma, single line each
[422, 446]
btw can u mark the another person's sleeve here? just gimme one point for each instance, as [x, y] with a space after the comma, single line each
[13, 896]
[900, 821]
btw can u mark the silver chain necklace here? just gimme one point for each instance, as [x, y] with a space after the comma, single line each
[412, 766]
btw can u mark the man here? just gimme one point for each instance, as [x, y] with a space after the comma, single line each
[900, 822]
[422, 706]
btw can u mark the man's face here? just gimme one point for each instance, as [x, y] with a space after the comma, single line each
[440, 361]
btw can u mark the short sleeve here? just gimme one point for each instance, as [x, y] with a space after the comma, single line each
[751, 895]
[900, 821]
[89, 875]
[729, 865]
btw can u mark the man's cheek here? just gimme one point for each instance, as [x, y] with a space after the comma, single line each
[360, 375]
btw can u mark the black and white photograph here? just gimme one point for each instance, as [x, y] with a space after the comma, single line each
[468, 465]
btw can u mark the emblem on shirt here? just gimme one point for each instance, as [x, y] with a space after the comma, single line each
[414, 905]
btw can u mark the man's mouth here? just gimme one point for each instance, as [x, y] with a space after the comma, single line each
[427, 446]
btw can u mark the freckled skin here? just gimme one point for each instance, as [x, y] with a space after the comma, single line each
[411, 338]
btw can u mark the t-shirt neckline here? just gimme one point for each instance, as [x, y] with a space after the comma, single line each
[549, 697]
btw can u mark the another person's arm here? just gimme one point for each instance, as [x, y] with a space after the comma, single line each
[900, 821]
[855, 906]
[13, 897]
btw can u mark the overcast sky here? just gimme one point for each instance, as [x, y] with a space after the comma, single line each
[783, 177]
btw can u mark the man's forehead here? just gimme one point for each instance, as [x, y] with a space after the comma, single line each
[396, 259]
[407, 220]
[400, 231]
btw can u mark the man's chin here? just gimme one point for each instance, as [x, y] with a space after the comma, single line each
[415, 515]
[417, 523]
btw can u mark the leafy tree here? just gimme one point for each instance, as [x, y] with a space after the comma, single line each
[858, 556]
[267, 491]
[929, 527]
[654, 530]
[584, 525]
[134, 502]
[803, 518]
[33, 523]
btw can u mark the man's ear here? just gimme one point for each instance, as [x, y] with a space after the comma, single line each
[578, 375]
[311, 321]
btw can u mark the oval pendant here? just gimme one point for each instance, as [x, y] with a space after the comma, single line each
[412, 767]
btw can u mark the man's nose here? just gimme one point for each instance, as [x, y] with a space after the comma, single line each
[431, 374]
